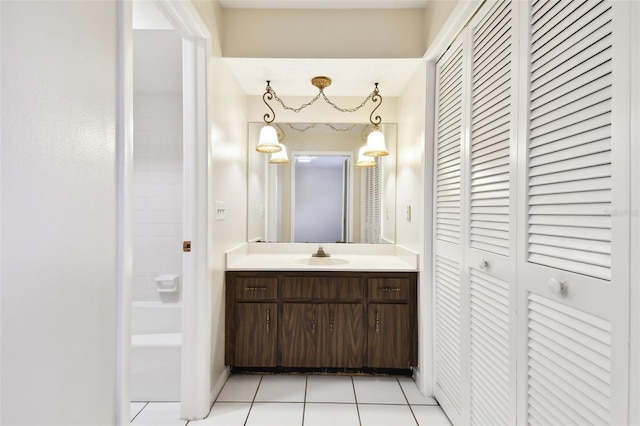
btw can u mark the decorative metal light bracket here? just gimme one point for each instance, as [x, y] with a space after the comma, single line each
[375, 98]
[321, 83]
[267, 96]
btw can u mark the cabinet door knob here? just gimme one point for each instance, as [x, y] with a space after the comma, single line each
[557, 287]
[377, 322]
[484, 264]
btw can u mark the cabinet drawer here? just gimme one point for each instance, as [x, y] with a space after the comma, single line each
[329, 288]
[249, 288]
[394, 289]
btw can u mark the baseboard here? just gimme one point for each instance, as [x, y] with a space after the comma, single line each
[215, 391]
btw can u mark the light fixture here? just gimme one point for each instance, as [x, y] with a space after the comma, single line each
[365, 160]
[304, 158]
[376, 146]
[279, 157]
[268, 140]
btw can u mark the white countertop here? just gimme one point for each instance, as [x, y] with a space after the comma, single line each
[344, 257]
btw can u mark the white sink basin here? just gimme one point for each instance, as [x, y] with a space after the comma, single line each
[322, 261]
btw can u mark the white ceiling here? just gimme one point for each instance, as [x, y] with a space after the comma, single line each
[324, 4]
[350, 77]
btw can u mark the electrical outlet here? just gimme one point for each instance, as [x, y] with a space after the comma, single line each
[220, 210]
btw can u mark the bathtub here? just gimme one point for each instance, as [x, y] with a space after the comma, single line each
[156, 342]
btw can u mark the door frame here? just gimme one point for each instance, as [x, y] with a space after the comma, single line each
[634, 349]
[196, 308]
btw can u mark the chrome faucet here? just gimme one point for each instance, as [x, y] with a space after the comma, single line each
[320, 252]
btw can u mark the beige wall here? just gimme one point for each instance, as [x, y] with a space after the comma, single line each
[411, 141]
[435, 15]
[358, 33]
[227, 177]
[411, 183]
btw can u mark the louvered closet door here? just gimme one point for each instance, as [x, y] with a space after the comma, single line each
[448, 229]
[574, 363]
[490, 252]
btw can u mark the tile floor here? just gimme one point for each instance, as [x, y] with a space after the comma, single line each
[306, 400]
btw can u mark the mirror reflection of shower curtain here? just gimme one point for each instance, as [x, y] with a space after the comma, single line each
[372, 211]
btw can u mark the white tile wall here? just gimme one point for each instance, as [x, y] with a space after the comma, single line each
[157, 241]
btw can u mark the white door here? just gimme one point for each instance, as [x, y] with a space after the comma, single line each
[448, 230]
[531, 268]
[573, 268]
[475, 247]
[490, 243]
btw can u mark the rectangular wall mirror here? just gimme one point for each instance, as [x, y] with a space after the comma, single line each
[320, 195]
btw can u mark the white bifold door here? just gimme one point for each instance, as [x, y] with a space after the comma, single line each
[531, 268]
[573, 269]
[475, 231]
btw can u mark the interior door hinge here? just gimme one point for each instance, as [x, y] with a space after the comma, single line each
[186, 246]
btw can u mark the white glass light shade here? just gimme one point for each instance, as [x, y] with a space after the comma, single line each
[280, 157]
[365, 160]
[375, 144]
[268, 140]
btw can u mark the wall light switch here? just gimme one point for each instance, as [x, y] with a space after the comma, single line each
[408, 213]
[220, 210]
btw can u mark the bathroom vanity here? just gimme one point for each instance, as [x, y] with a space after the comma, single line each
[353, 311]
[321, 319]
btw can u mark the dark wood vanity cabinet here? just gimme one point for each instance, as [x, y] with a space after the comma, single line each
[391, 312]
[256, 327]
[333, 320]
[253, 321]
[322, 335]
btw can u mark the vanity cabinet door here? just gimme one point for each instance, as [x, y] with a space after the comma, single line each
[390, 336]
[299, 330]
[322, 335]
[256, 334]
[341, 337]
